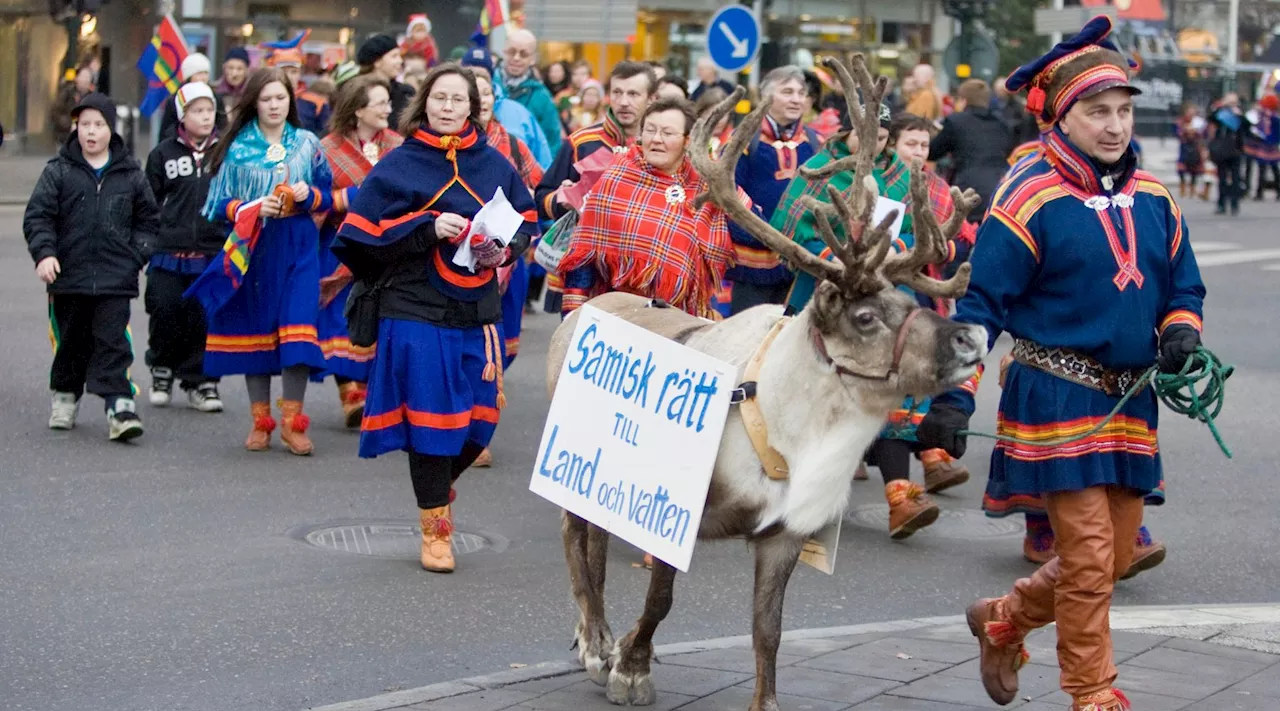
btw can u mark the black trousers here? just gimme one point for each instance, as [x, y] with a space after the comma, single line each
[433, 476]
[1263, 183]
[747, 295]
[91, 345]
[892, 457]
[176, 332]
[1229, 187]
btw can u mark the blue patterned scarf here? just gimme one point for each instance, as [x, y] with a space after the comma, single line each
[245, 173]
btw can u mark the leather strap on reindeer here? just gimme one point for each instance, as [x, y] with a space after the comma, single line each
[775, 465]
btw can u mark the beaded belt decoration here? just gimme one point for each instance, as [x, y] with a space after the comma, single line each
[1075, 367]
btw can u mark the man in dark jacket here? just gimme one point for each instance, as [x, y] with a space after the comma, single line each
[178, 172]
[979, 144]
[1228, 128]
[87, 225]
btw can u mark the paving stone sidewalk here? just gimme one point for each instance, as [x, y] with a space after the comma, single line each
[1220, 658]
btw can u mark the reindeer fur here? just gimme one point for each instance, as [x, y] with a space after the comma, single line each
[817, 390]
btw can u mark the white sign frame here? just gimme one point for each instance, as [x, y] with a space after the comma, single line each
[611, 450]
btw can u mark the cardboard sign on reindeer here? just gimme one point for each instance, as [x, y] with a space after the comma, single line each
[632, 434]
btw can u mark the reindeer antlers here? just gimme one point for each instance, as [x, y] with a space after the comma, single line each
[907, 268]
[723, 192]
[863, 264]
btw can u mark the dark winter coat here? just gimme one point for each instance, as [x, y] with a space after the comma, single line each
[179, 180]
[98, 229]
[979, 143]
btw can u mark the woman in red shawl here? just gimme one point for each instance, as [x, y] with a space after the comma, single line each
[358, 138]
[639, 231]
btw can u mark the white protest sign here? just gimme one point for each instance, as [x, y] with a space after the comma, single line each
[632, 434]
[883, 206]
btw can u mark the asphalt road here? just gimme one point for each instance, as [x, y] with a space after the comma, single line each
[169, 574]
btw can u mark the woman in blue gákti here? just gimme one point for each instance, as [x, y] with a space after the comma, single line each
[261, 295]
[435, 386]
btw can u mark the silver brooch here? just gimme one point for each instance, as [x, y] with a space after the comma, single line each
[1122, 201]
[675, 195]
[370, 151]
[1098, 202]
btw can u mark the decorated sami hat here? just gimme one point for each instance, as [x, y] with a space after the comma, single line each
[1077, 68]
[286, 53]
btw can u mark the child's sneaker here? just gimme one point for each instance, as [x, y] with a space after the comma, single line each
[124, 421]
[205, 398]
[161, 386]
[65, 407]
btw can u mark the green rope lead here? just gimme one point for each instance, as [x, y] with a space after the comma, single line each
[1176, 390]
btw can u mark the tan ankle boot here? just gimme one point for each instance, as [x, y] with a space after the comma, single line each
[1107, 700]
[942, 471]
[1002, 652]
[263, 423]
[293, 430]
[352, 395]
[909, 509]
[437, 539]
[484, 461]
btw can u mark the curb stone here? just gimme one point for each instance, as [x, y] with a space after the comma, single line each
[1161, 620]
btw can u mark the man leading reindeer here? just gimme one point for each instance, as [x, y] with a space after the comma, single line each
[1085, 261]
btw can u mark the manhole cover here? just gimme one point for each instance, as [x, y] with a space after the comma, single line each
[391, 539]
[951, 523]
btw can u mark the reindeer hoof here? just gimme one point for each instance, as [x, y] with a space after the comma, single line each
[596, 666]
[630, 689]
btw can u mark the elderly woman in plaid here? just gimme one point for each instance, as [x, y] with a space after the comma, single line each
[640, 231]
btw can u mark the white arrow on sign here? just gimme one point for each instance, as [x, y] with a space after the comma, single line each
[739, 46]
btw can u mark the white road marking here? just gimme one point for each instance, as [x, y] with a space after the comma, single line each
[1237, 257]
[1207, 246]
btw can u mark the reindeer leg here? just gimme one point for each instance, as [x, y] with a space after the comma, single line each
[776, 558]
[630, 682]
[592, 637]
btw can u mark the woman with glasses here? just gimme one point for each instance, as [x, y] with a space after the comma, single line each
[359, 136]
[435, 384]
[640, 232]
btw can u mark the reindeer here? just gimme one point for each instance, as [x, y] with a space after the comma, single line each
[826, 381]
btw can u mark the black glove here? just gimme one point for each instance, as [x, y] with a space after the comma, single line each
[940, 429]
[1177, 343]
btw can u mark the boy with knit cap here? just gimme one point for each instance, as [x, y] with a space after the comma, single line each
[1084, 259]
[195, 68]
[178, 172]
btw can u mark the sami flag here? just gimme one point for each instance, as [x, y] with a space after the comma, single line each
[490, 17]
[159, 63]
[224, 276]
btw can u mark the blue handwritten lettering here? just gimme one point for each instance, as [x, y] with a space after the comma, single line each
[573, 471]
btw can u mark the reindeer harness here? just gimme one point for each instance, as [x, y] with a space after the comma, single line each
[775, 465]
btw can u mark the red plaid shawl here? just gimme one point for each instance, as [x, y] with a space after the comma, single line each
[640, 243]
[349, 166]
[528, 168]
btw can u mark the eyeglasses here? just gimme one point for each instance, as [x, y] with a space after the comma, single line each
[513, 53]
[379, 105]
[442, 99]
[665, 135]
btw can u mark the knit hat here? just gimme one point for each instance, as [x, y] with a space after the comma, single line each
[479, 58]
[193, 65]
[98, 102]
[188, 93]
[1083, 66]
[846, 119]
[1270, 102]
[345, 72]
[375, 48]
[239, 53]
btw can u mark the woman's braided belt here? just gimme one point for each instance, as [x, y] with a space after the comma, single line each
[1076, 367]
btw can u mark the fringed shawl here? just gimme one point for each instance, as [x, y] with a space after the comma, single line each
[246, 175]
[640, 231]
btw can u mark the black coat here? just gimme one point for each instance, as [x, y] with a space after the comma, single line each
[98, 229]
[180, 183]
[979, 143]
[401, 95]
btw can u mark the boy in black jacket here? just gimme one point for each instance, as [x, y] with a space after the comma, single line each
[178, 171]
[87, 225]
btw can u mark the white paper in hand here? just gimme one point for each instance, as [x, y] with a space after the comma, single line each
[496, 220]
[883, 207]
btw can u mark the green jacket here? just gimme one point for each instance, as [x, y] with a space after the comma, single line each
[534, 96]
[794, 220]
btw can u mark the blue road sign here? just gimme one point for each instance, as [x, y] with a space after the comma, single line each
[733, 38]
